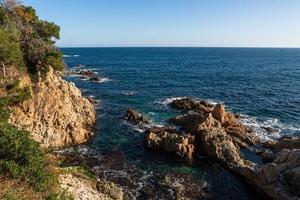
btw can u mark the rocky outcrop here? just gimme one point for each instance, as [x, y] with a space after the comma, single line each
[280, 178]
[170, 141]
[136, 117]
[220, 135]
[191, 104]
[57, 115]
[81, 188]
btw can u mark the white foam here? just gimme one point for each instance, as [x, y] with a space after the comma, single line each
[103, 80]
[259, 127]
[69, 56]
[167, 101]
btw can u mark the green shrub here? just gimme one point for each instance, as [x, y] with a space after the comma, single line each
[22, 158]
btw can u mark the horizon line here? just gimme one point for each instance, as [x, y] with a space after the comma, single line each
[258, 47]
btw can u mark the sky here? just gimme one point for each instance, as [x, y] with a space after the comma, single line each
[191, 23]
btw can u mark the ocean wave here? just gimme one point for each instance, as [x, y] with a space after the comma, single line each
[278, 128]
[103, 80]
[140, 128]
[167, 101]
[70, 56]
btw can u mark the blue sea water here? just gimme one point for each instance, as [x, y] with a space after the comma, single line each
[261, 84]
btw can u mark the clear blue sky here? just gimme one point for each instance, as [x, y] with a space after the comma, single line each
[262, 23]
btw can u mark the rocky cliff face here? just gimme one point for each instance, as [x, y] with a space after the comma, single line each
[57, 114]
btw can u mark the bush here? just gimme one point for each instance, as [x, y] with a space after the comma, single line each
[22, 158]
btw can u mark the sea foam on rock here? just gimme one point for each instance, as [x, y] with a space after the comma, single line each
[220, 135]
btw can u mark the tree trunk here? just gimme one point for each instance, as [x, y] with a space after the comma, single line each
[3, 69]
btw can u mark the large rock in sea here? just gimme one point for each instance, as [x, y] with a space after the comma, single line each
[191, 104]
[136, 117]
[170, 141]
[57, 115]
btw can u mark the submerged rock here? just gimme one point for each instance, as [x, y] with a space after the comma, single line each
[57, 115]
[136, 117]
[170, 141]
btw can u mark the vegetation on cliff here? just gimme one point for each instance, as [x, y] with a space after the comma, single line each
[27, 41]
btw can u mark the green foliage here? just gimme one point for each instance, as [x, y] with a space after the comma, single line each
[20, 156]
[59, 196]
[24, 38]
[54, 59]
[11, 196]
[10, 52]
[81, 170]
[48, 30]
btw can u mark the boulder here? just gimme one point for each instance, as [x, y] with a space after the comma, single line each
[280, 179]
[95, 79]
[184, 104]
[219, 113]
[170, 141]
[136, 117]
[81, 188]
[286, 143]
[191, 104]
[110, 189]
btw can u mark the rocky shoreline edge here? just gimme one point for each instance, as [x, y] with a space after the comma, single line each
[208, 130]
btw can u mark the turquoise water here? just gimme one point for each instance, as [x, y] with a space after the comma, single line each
[261, 84]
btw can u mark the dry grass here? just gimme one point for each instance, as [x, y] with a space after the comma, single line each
[17, 189]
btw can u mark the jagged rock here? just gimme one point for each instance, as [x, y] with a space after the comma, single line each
[280, 179]
[191, 104]
[95, 78]
[170, 141]
[219, 113]
[135, 117]
[267, 155]
[110, 189]
[184, 104]
[57, 115]
[81, 188]
[286, 143]
[174, 185]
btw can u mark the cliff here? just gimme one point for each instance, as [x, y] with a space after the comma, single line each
[57, 115]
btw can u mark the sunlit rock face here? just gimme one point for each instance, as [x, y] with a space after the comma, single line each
[57, 115]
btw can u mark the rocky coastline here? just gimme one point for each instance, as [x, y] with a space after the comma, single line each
[209, 130]
[201, 129]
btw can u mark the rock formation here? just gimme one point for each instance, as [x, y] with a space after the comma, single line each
[170, 141]
[220, 135]
[135, 117]
[57, 115]
[191, 104]
[82, 188]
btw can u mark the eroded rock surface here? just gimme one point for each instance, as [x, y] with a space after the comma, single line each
[81, 188]
[170, 141]
[136, 117]
[57, 115]
[221, 136]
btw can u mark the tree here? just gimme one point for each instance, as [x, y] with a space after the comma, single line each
[10, 52]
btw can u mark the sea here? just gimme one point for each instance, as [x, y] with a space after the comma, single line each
[262, 85]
